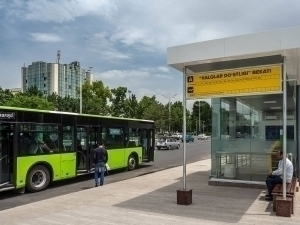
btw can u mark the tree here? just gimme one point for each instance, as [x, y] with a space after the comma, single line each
[157, 112]
[132, 105]
[205, 111]
[118, 102]
[177, 116]
[55, 99]
[144, 104]
[32, 91]
[65, 104]
[5, 96]
[32, 102]
[95, 97]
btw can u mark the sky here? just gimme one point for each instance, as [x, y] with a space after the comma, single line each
[125, 41]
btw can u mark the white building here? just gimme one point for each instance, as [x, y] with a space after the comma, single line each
[62, 79]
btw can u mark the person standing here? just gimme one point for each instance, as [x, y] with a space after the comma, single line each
[100, 158]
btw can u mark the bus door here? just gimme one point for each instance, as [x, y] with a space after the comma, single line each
[151, 145]
[82, 149]
[148, 140]
[6, 153]
[94, 135]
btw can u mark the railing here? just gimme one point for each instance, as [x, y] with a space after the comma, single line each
[3, 157]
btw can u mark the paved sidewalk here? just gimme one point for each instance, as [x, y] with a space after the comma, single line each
[151, 199]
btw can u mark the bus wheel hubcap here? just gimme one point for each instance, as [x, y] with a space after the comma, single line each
[38, 179]
[131, 163]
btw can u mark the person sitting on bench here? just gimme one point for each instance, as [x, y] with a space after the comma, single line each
[275, 177]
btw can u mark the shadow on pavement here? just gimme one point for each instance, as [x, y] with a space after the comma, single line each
[70, 181]
[214, 203]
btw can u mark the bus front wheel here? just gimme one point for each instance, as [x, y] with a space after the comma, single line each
[38, 178]
[132, 162]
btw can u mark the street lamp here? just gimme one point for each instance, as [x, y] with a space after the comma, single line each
[129, 92]
[199, 123]
[169, 97]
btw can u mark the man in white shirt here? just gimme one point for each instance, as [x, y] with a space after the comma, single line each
[275, 177]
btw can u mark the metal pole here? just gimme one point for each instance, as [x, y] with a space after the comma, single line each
[199, 104]
[184, 129]
[80, 91]
[169, 113]
[284, 129]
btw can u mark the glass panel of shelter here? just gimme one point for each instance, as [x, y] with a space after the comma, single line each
[249, 133]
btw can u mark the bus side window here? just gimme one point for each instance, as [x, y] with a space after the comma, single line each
[38, 143]
[68, 139]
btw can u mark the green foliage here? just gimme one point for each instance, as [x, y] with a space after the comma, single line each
[176, 116]
[32, 102]
[205, 116]
[66, 104]
[98, 99]
[118, 102]
[32, 91]
[157, 112]
[95, 98]
[131, 107]
[144, 104]
[5, 96]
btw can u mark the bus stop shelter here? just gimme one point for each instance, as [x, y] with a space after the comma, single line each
[253, 83]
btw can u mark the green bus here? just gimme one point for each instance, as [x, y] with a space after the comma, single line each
[38, 147]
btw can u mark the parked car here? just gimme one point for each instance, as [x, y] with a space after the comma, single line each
[167, 143]
[189, 138]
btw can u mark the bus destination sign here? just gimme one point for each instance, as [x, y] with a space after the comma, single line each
[7, 115]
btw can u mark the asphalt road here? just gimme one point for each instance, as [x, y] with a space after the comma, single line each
[164, 159]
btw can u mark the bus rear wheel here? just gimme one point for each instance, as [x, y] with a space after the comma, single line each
[132, 162]
[38, 179]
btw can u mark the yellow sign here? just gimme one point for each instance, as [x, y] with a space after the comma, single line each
[237, 82]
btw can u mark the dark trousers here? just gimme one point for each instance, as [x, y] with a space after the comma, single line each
[272, 181]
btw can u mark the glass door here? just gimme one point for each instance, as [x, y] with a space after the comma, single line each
[148, 140]
[6, 153]
[82, 148]
[92, 144]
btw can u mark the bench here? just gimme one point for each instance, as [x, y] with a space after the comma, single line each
[290, 192]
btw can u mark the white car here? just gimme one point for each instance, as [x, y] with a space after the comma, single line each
[202, 137]
[167, 144]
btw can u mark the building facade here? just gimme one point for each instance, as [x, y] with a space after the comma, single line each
[253, 82]
[62, 79]
[15, 90]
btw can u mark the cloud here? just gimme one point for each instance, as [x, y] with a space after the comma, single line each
[101, 44]
[45, 37]
[60, 11]
[163, 69]
[163, 76]
[125, 41]
[137, 73]
[121, 74]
